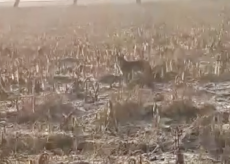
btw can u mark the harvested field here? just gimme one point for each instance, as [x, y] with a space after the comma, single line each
[64, 97]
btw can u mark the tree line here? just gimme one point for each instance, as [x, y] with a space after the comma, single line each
[16, 2]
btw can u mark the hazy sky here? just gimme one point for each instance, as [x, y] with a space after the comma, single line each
[59, 2]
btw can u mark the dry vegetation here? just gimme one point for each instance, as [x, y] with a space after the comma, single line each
[56, 63]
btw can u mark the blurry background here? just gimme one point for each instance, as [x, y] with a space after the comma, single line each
[66, 2]
[59, 2]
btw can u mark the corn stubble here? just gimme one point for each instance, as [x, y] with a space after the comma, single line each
[44, 76]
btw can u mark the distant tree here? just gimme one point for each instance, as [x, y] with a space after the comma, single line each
[16, 3]
[74, 2]
[138, 1]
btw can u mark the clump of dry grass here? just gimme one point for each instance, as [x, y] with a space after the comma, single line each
[185, 110]
[119, 113]
[34, 143]
[209, 133]
[48, 108]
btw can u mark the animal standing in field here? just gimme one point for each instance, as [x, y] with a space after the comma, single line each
[181, 111]
[129, 68]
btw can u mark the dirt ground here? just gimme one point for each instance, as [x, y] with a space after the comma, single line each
[64, 100]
